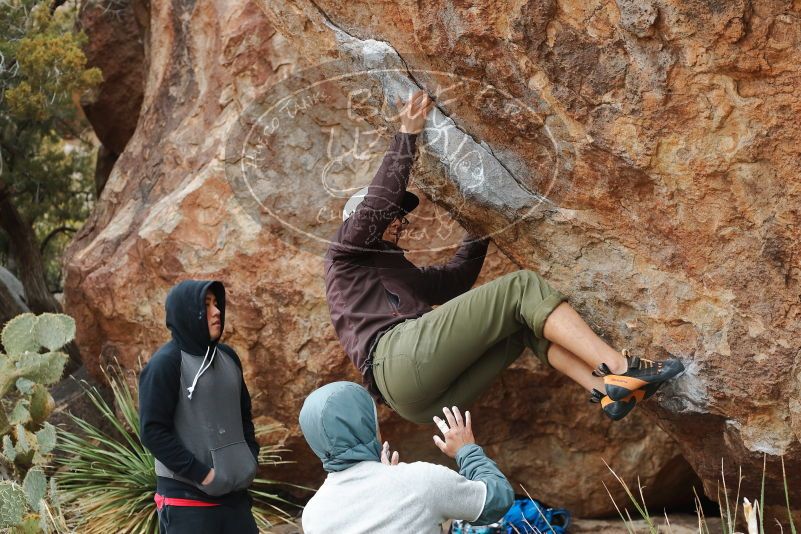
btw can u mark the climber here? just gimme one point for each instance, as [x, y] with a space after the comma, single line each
[195, 415]
[415, 358]
[368, 490]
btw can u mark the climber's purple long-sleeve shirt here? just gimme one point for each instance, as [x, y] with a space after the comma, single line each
[370, 285]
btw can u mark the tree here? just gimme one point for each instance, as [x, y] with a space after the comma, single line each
[46, 162]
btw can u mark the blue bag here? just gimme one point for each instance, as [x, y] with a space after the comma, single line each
[528, 515]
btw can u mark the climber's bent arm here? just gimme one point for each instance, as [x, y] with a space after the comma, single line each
[382, 204]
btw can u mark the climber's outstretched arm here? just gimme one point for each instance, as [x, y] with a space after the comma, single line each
[364, 228]
[382, 204]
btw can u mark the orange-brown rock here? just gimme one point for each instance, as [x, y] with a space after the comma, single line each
[641, 155]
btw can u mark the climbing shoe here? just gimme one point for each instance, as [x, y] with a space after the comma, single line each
[640, 373]
[617, 410]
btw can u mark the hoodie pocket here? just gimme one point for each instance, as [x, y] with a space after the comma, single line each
[234, 469]
[394, 302]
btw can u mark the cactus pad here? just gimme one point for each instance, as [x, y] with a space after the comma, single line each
[54, 330]
[23, 443]
[35, 487]
[41, 404]
[9, 452]
[12, 504]
[20, 414]
[19, 335]
[46, 438]
[53, 495]
[43, 368]
[25, 386]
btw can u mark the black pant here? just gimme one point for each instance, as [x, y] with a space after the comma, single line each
[235, 518]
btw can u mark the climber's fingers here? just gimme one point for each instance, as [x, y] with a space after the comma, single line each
[457, 415]
[449, 417]
[442, 425]
[418, 103]
[440, 444]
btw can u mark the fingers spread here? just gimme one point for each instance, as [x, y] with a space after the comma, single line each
[457, 415]
[443, 427]
[439, 443]
[420, 102]
[449, 416]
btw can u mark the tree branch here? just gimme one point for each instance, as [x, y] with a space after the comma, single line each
[72, 131]
[54, 233]
[28, 258]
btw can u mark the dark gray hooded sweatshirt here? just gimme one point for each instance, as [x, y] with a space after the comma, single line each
[194, 407]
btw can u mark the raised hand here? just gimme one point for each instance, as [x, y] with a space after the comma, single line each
[457, 432]
[414, 113]
[386, 457]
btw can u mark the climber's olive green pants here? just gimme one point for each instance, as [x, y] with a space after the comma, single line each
[452, 354]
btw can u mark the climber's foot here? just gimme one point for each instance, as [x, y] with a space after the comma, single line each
[640, 373]
[617, 410]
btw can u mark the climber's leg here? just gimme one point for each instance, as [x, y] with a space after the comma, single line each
[417, 361]
[477, 378]
[574, 367]
[622, 376]
[467, 387]
[565, 327]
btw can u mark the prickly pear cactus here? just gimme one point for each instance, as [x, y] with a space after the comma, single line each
[12, 504]
[32, 361]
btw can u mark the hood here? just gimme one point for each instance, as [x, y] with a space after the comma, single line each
[186, 314]
[340, 423]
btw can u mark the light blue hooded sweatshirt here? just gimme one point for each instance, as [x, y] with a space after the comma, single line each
[340, 423]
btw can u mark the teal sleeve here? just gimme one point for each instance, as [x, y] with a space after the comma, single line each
[474, 465]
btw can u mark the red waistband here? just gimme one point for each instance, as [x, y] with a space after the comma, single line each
[162, 501]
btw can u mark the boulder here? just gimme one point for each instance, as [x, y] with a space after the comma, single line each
[12, 296]
[642, 157]
[14, 288]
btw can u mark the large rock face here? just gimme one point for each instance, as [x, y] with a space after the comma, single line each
[641, 155]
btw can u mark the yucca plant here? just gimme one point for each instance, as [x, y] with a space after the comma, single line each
[268, 506]
[108, 482]
[108, 478]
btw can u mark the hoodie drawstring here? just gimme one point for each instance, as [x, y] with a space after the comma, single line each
[202, 370]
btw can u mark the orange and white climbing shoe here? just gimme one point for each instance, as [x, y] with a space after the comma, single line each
[617, 410]
[640, 373]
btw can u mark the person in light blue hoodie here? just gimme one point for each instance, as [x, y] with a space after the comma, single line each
[368, 490]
